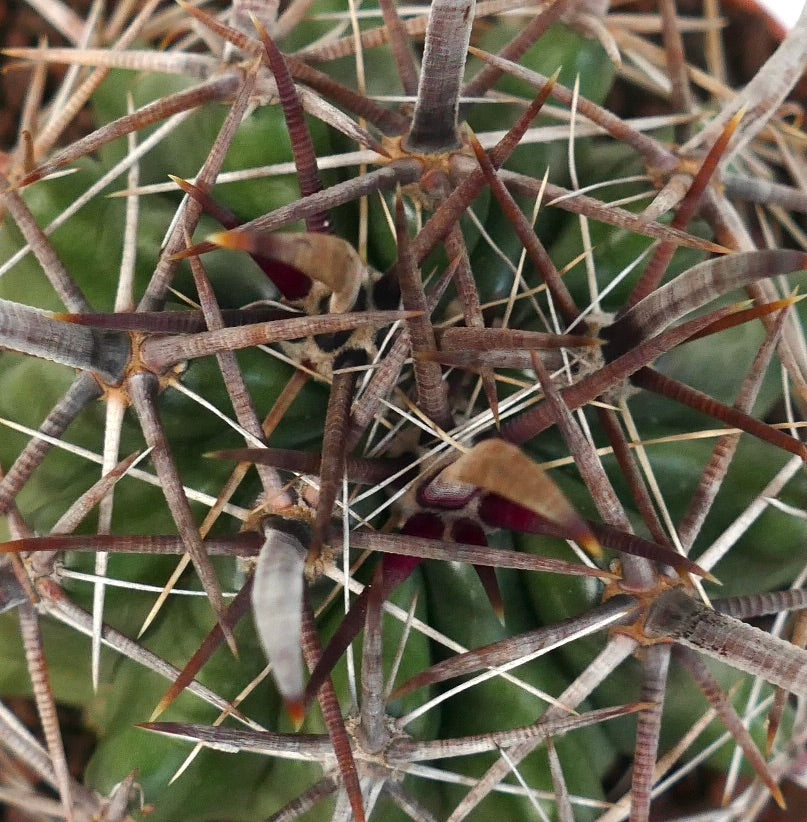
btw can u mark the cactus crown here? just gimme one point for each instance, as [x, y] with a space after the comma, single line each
[491, 410]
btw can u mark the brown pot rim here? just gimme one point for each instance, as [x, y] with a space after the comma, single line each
[754, 8]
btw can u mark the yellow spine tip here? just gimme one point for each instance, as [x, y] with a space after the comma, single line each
[231, 240]
[591, 545]
[296, 711]
[162, 706]
[779, 798]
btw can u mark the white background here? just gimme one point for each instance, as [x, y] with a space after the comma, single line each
[785, 10]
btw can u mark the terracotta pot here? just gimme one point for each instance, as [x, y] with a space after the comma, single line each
[752, 35]
[757, 12]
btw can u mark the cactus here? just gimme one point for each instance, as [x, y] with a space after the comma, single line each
[432, 369]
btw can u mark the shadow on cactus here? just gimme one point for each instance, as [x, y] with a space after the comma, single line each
[508, 358]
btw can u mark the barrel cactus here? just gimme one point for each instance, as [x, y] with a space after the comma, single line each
[399, 421]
